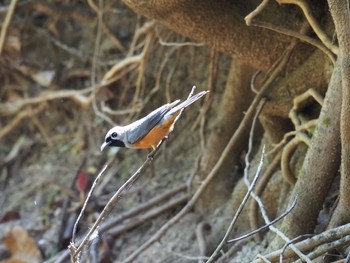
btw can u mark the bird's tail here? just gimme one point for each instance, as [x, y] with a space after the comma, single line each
[188, 102]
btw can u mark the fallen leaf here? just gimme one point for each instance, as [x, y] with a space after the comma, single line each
[10, 215]
[22, 247]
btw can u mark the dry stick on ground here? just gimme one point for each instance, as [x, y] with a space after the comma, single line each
[6, 24]
[246, 197]
[141, 208]
[144, 217]
[327, 247]
[328, 236]
[231, 145]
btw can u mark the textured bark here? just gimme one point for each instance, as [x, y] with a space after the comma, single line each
[221, 25]
[314, 72]
[234, 101]
[340, 12]
[320, 166]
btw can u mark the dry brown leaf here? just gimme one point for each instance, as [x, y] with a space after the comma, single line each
[22, 247]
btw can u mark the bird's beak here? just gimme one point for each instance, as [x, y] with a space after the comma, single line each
[104, 145]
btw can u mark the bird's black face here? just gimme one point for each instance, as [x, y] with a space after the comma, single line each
[116, 143]
[112, 140]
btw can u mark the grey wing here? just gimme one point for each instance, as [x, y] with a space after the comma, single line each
[141, 127]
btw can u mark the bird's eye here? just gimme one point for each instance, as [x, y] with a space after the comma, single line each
[114, 135]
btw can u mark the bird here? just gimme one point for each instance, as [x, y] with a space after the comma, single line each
[148, 131]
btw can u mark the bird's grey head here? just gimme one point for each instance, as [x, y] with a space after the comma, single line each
[113, 138]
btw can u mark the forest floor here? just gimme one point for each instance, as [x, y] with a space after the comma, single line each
[65, 75]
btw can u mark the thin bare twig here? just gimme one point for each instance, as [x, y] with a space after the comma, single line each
[231, 251]
[86, 202]
[113, 201]
[246, 197]
[258, 199]
[6, 24]
[259, 189]
[239, 210]
[290, 208]
[135, 211]
[19, 117]
[97, 49]
[67, 202]
[277, 231]
[75, 252]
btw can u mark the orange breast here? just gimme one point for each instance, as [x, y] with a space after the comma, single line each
[157, 134]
